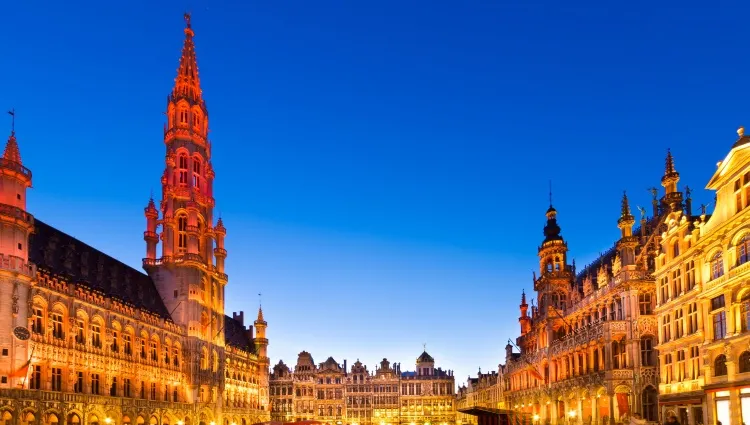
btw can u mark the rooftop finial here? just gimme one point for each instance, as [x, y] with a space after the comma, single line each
[669, 163]
[550, 193]
[424, 346]
[625, 204]
[12, 114]
[741, 131]
[187, 19]
[260, 299]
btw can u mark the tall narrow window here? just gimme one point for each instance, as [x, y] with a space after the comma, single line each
[182, 167]
[196, 173]
[183, 116]
[78, 386]
[679, 323]
[695, 362]
[644, 304]
[717, 266]
[56, 379]
[680, 365]
[668, 368]
[57, 326]
[35, 383]
[719, 317]
[666, 329]
[745, 312]
[154, 354]
[182, 234]
[690, 275]
[676, 283]
[80, 331]
[647, 351]
[95, 383]
[37, 325]
[692, 319]
[743, 250]
[96, 335]
[127, 343]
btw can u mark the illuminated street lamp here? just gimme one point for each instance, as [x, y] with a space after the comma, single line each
[536, 418]
[107, 420]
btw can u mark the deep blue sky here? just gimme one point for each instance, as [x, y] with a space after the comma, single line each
[382, 167]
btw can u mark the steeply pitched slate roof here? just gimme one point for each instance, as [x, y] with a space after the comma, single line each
[235, 335]
[58, 253]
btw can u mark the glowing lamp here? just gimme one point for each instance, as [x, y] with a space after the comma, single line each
[536, 418]
[572, 413]
[108, 420]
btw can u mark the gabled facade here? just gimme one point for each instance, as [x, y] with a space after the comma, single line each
[703, 296]
[91, 340]
[331, 394]
[587, 342]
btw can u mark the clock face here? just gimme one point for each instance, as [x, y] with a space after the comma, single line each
[21, 333]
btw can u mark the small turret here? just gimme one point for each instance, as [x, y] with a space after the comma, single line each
[150, 235]
[220, 252]
[524, 320]
[17, 224]
[626, 220]
[261, 343]
[672, 200]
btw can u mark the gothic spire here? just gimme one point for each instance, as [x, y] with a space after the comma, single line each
[625, 210]
[12, 153]
[187, 83]
[669, 169]
[671, 176]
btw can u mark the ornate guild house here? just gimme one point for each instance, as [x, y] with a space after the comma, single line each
[329, 393]
[90, 341]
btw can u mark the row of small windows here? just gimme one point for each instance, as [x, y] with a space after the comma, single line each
[182, 171]
[675, 284]
[92, 383]
[183, 117]
[121, 341]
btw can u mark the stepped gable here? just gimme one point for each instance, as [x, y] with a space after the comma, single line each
[58, 254]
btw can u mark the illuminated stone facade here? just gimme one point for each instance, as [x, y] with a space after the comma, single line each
[703, 295]
[89, 340]
[328, 393]
[588, 347]
[482, 391]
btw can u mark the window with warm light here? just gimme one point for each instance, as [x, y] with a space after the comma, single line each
[182, 233]
[182, 169]
[717, 265]
[57, 326]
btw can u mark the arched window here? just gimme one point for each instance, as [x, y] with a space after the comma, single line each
[717, 266]
[745, 362]
[183, 116]
[648, 357]
[648, 401]
[745, 312]
[720, 365]
[182, 168]
[181, 234]
[204, 358]
[743, 250]
[196, 173]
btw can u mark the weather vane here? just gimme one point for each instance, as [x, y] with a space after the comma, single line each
[260, 299]
[12, 114]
